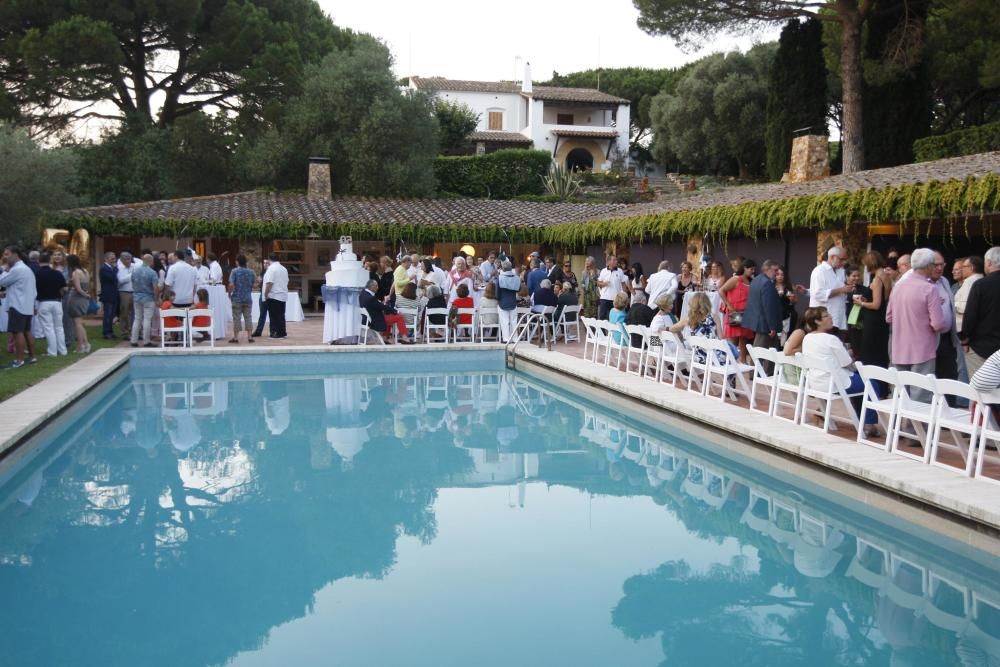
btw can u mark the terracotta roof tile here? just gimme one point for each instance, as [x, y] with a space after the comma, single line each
[494, 135]
[552, 93]
[583, 132]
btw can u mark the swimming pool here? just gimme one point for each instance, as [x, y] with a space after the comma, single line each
[446, 511]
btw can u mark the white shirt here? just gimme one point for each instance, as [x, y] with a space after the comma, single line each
[203, 276]
[823, 280]
[827, 346]
[661, 282]
[616, 283]
[215, 273]
[962, 298]
[182, 278]
[277, 276]
[125, 276]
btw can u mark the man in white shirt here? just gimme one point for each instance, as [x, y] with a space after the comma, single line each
[664, 281]
[215, 273]
[413, 273]
[125, 313]
[827, 287]
[611, 281]
[275, 295]
[182, 279]
[204, 275]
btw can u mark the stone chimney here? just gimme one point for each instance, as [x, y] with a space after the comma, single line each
[526, 84]
[810, 158]
[320, 185]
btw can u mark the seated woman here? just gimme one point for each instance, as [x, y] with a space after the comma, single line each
[819, 343]
[168, 304]
[618, 314]
[664, 318]
[201, 320]
[436, 299]
[567, 297]
[699, 322]
[462, 300]
[407, 300]
[488, 306]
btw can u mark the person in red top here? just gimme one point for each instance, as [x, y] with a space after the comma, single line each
[463, 300]
[167, 304]
[201, 320]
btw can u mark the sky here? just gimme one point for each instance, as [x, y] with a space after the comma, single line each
[479, 41]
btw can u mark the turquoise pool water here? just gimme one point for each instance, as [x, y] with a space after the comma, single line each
[342, 513]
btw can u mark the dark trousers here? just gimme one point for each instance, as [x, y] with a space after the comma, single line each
[261, 318]
[604, 309]
[276, 311]
[946, 362]
[110, 309]
[761, 339]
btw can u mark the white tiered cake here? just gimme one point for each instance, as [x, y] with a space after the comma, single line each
[346, 270]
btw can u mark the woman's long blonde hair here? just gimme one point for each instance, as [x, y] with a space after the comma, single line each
[699, 308]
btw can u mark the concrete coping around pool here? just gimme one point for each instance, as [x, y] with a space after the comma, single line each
[29, 411]
[973, 500]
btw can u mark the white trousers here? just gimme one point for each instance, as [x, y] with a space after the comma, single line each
[50, 319]
[142, 315]
[508, 321]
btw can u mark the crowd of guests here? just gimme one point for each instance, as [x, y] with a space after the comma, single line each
[46, 294]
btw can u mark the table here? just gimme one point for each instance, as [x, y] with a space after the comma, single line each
[341, 313]
[293, 307]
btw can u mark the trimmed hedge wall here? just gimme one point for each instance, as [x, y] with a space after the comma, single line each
[979, 139]
[504, 174]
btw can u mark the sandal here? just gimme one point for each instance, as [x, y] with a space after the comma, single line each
[234, 340]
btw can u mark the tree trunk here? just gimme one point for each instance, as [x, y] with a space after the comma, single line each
[852, 141]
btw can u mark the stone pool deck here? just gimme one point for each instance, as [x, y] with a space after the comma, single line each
[935, 488]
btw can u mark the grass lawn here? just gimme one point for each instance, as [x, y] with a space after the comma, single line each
[14, 380]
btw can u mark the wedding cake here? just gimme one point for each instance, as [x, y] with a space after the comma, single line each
[346, 270]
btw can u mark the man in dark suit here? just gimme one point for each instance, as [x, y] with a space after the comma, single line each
[552, 270]
[378, 319]
[763, 311]
[641, 314]
[109, 293]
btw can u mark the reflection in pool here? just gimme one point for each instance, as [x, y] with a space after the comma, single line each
[479, 518]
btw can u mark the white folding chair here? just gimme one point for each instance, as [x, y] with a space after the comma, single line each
[521, 326]
[917, 414]
[989, 438]
[884, 408]
[569, 323]
[365, 330]
[430, 327]
[641, 351]
[702, 352]
[468, 331]
[762, 378]
[182, 329]
[411, 316]
[958, 422]
[602, 330]
[791, 380]
[205, 328]
[828, 393]
[724, 365]
[618, 339]
[489, 324]
[673, 355]
[590, 335]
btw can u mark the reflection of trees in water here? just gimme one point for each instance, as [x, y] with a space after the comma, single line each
[150, 569]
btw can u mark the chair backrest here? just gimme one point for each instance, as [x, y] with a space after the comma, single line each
[759, 355]
[868, 372]
[813, 364]
[570, 313]
[907, 379]
[435, 311]
[961, 389]
[672, 344]
[409, 315]
[181, 313]
[200, 312]
[638, 330]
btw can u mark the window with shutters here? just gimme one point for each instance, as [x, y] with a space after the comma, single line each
[564, 119]
[496, 120]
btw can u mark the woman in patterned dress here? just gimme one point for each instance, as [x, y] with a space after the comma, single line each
[588, 288]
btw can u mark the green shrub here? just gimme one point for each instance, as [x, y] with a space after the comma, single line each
[500, 175]
[979, 139]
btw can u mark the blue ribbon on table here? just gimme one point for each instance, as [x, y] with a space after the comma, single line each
[338, 296]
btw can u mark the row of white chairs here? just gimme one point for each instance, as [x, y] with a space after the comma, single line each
[186, 329]
[482, 325]
[711, 369]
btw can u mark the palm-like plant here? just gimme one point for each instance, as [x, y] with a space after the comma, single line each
[561, 182]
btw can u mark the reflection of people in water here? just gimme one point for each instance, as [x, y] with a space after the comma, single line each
[277, 412]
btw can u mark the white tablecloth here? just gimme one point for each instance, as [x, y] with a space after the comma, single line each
[341, 318]
[293, 307]
[222, 310]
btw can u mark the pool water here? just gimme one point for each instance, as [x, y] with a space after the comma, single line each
[362, 516]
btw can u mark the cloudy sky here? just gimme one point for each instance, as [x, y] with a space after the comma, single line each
[459, 39]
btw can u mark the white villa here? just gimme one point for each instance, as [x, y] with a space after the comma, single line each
[582, 128]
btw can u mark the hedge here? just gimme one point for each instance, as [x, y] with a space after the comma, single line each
[979, 139]
[504, 174]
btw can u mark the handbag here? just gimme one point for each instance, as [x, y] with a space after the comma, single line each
[92, 307]
[852, 319]
[735, 318]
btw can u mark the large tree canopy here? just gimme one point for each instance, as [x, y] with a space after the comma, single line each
[32, 181]
[714, 119]
[63, 60]
[689, 20]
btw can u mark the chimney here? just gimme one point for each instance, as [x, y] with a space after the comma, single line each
[526, 84]
[320, 185]
[810, 158]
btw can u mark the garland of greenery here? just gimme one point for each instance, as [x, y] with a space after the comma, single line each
[910, 206]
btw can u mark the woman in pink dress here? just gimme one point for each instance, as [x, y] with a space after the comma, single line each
[460, 274]
[734, 294]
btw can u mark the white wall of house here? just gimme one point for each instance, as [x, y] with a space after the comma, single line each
[483, 103]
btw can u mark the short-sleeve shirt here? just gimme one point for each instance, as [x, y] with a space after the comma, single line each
[616, 283]
[277, 276]
[242, 279]
[144, 279]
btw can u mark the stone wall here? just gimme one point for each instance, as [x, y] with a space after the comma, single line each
[320, 184]
[810, 158]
